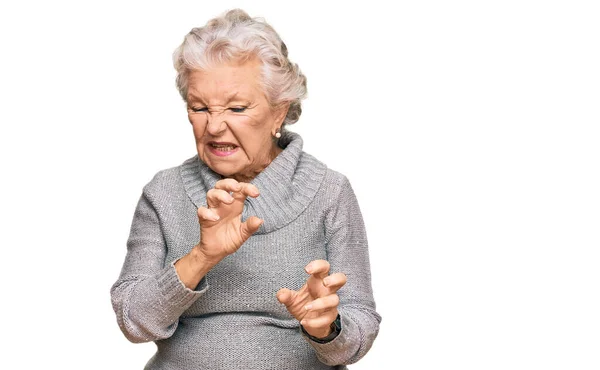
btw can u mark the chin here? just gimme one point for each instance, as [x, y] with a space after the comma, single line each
[225, 171]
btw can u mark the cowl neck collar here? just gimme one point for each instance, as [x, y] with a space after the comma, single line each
[287, 185]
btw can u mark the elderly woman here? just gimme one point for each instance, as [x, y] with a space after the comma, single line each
[252, 254]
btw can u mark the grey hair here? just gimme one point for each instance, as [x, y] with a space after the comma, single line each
[235, 37]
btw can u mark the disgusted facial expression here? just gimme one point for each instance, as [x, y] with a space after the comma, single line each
[232, 119]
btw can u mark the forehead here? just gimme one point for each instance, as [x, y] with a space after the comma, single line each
[225, 80]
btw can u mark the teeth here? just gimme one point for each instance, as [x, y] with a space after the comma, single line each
[224, 147]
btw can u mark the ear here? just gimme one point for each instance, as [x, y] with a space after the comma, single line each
[279, 114]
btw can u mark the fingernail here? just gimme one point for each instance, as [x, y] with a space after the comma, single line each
[216, 218]
[326, 281]
[303, 322]
[308, 307]
[308, 269]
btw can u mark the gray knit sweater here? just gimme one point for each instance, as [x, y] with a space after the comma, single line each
[233, 320]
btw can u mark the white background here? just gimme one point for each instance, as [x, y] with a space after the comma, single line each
[468, 129]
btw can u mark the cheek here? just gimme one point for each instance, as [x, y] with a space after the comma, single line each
[256, 142]
[254, 131]
[197, 127]
[257, 125]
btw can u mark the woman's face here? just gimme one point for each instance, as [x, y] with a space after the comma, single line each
[232, 120]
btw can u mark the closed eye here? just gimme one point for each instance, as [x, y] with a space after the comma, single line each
[199, 109]
[238, 109]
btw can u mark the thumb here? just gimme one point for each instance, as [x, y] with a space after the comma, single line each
[251, 225]
[285, 296]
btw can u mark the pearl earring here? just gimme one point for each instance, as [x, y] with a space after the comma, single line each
[278, 134]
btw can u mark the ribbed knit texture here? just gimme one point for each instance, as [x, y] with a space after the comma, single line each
[233, 320]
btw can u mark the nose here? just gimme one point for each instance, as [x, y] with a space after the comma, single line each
[216, 124]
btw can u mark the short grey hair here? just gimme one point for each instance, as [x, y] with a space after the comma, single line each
[236, 37]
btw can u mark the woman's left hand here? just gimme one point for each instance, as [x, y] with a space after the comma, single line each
[315, 304]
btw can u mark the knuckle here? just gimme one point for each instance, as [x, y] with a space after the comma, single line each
[323, 264]
[319, 263]
[318, 304]
[340, 278]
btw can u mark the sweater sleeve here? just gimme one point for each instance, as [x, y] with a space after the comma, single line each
[148, 298]
[347, 252]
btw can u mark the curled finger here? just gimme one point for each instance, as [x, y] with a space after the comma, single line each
[335, 281]
[323, 304]
[321, 322]
[286, 296]
[229, 185]
[249, 190]
[205, 214]
[250, 226]
[319, 268]
[214, 197]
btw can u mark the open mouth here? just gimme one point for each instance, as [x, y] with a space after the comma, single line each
[222, 149]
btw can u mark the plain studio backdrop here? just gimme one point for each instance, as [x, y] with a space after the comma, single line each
[468, 129]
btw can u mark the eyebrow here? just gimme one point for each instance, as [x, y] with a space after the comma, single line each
[237, 96]
[228, 97]
[231, 96]
[192, 96]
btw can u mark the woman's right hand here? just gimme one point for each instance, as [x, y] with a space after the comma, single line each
[222, 231]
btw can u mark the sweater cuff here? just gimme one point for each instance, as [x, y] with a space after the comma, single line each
[174, 290]
[336, 351]
[335, 331]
